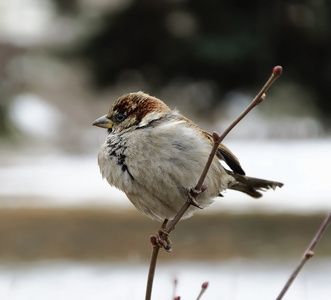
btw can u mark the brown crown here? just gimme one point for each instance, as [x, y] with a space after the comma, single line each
[138, 105]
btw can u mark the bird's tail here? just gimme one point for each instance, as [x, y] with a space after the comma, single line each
[252, 186]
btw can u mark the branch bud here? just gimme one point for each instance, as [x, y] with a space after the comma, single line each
[277, 71]
[309, 254]
[205, 285]
[203, 289]
[215, 136]
[153, 240]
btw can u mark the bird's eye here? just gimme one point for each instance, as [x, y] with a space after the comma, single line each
[120, 117]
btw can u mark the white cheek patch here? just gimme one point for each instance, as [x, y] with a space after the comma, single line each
[150, 117]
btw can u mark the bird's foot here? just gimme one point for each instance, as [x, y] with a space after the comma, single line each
[193, 193]
[162, 238]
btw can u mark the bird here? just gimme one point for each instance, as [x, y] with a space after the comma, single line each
[156, 156]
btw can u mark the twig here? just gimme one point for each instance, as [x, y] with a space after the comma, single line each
[277, 71]
[154, 256]
[308, 254]
[175, 288]
[203, 289]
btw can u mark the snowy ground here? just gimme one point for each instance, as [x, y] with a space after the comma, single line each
[74, 180]
[234, 279]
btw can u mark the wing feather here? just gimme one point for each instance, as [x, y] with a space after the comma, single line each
[223, 152]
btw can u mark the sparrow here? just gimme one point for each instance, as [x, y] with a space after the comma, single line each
[156, 156]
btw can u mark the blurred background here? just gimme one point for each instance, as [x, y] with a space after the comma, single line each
[62, 64]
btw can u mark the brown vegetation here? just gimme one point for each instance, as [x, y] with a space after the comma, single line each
[97, 234]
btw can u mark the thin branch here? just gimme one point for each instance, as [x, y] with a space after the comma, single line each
[308, 254]
[175, 288]
[203, 289]
[277, 71]
[154, 256]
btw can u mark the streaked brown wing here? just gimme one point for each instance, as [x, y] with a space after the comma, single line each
[224, 153]
[230, 159]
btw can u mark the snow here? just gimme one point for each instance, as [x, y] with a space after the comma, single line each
[232, 279]
[74, 180]
[34, 116]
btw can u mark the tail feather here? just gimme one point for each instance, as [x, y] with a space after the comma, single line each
[252, 186]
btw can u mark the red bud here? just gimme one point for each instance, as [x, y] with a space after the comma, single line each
[205, 285]
[153, 240]
[215, 136]
[277, 71]
[309, 254]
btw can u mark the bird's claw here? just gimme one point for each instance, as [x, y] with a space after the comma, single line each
[162, 238]
[194, 193]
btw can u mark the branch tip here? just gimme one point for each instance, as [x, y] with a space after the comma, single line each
[203, 289]
[277, 71]
[205, 285]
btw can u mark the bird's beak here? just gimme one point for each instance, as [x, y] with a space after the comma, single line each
[103, 122]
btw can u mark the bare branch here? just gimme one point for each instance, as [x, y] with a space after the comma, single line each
[203, 289]
[152, 265]
[308, 254]
[175, 288]
[163, 233]
[277, 71]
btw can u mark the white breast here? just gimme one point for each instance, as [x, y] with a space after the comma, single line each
[163, 163]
